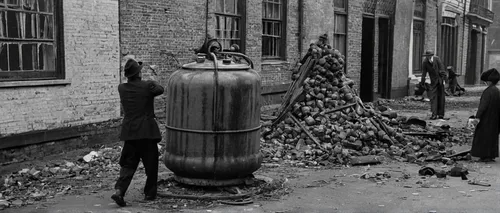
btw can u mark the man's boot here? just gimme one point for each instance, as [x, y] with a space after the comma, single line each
[118, 198]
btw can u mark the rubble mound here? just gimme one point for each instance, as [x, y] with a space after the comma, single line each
[322, 121]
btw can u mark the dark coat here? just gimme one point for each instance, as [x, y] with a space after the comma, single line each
[137, 99]
[485, 143]
[437, 74]
[436, 71]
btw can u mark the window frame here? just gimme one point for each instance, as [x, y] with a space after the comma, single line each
[449, 46]
[419, 18]
[241, 8]
[37, 76]
[343, 11]
[283, 37]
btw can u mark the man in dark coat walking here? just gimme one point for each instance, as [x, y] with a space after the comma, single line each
[139, 131]
[433, 66]
[485, 143]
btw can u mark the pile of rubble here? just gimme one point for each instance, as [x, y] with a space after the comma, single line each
[322, 121]
[57, 178]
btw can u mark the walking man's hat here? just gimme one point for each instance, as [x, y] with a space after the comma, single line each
[429, 53]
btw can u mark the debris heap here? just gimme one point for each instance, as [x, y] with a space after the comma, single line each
[323, 121]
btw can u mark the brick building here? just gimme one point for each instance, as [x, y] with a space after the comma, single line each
[63, 59]
[274, 34]
[493, 54]
[59, 70]
[480, 17]
[456, 31]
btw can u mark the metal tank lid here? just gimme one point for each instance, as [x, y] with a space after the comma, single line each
[222, 64]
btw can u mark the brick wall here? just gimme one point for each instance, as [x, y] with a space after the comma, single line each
[148, 28]
[354, 34]
[92, 68]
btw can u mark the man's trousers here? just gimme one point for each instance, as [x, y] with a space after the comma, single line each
[132, 152]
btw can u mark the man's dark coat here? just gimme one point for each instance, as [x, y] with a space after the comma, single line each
[437, 74]
[137, 99]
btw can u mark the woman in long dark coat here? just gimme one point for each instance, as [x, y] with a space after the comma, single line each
[485, 143]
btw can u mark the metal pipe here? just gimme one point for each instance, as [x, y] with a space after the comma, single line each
[301, 18]
[463, 38]
[206, 18]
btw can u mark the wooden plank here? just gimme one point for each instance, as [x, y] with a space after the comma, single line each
[459, 154]
[363, 160]
[284, 111]
[309, 134]
[295, 90]
[338, 108]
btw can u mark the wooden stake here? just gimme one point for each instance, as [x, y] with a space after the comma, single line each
[316, 141]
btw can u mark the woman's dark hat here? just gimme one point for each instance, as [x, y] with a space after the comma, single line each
[324, 36]
[491, 75]
[429, 53]
[132, 68]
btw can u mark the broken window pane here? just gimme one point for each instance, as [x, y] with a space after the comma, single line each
[46, 27]
[12, 24]
[4, 65]
[14, 57]
[46, 57]
[45, 6]
[30, 5]
[3, 25]
[219, 6]
[30, 25]
[13, 2]
[29, 55]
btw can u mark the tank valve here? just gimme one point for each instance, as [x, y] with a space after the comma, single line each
[201, 58]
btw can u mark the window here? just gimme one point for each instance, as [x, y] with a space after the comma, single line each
[449, 41]
[418, 35]
[30, 42]
[340, 5]
[482, 3]
[273, 29]
[340, 28]
[230, 23]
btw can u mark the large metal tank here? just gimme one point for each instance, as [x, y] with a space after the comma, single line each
[213, 122]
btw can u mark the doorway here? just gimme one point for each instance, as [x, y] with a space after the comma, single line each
[367, 54]
[384, 58]
[470, 75]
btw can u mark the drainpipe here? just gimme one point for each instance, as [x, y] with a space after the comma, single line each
[301, 18]
[463, 38]
[206, 18]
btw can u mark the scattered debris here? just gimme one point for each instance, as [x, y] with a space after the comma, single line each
[363, 160]
[427, 171]
[479, 183]
[57, 178]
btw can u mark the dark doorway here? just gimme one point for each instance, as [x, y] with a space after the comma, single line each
[384, 58]
[470, 75]
[367, 54]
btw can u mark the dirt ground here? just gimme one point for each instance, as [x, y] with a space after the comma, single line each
[338, 189]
